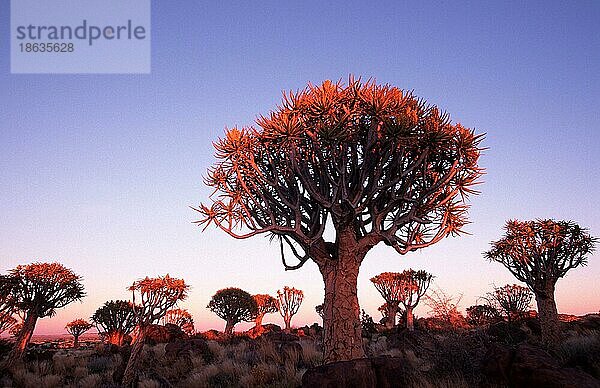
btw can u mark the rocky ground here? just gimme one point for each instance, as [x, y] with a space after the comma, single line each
[501, 355]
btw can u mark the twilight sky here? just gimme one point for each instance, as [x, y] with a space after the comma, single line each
[97, 171]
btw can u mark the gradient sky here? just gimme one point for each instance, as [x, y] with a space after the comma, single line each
[98, 171]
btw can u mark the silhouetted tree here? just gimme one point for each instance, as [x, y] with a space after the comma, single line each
[181, 318]
[152, 298]
[373, 162]
[234, 306]
[114, 320]
[265, 304]
[511, 300]
[414, 285]
[389, 286]
[538, 253]
[288, 303]
[38, 290]
[482, 315]
[319, 310]
[76, 328]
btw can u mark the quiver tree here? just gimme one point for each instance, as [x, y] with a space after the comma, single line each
[482, 315]
[7, 304]
[288, 304]
[76, 328]
[265, 304]
[38, 290]
[181, 318]
[114, 320]
[373, 162]
[414, 285]
[151, 299]
[538, 253]
[511, 300]
[233, 305]
[388, 285]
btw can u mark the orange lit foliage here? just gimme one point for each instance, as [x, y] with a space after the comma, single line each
[38, 290]
[181, 318]
[114, 320]
[372, 161]
[7, 305]
[538, 253]
[266, 304]
[288, 303]
[152, 298]
[77, 328]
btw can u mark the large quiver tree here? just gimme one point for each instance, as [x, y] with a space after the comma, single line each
[372, 161]
[538, 253]
[38, 290]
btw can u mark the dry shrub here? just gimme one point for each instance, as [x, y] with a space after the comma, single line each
[311, 354]
[260, 375]
[93, 380]
[148, 383]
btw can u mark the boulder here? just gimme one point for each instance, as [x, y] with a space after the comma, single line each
[158, 334]
[528, 366]
[187, 348]
[381, 372]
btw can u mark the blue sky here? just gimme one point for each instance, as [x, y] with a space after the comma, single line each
[98, 171]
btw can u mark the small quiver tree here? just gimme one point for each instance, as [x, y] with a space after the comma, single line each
[265, 304]
[181, 318]
[482, 315]
[76, 328]
[152, 298]
[114, 321]
[370, 163]
[538, 253]
[38, 290]
[233, 305]
[414, 285]
[288, 303]
[389, 286]
[511, 300]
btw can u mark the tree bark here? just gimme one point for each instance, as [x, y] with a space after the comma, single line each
[130, 375]
[548, 316]
[391, 318]
[75, 341]
[410, 324]
[258, 320]
[115, 338]
[18, 351]
[287, 321]
[342, 338]
[229, 327]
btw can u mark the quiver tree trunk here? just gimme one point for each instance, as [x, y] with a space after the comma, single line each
[342, 338]
[229, 327]
[75, 341]
[392, 311]
[287, 321]
[130, 374]
[258, 320]
[410, 324]
[548, 316]
[18, 351]
[115, 338]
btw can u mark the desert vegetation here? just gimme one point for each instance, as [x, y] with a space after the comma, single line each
[334, 171]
